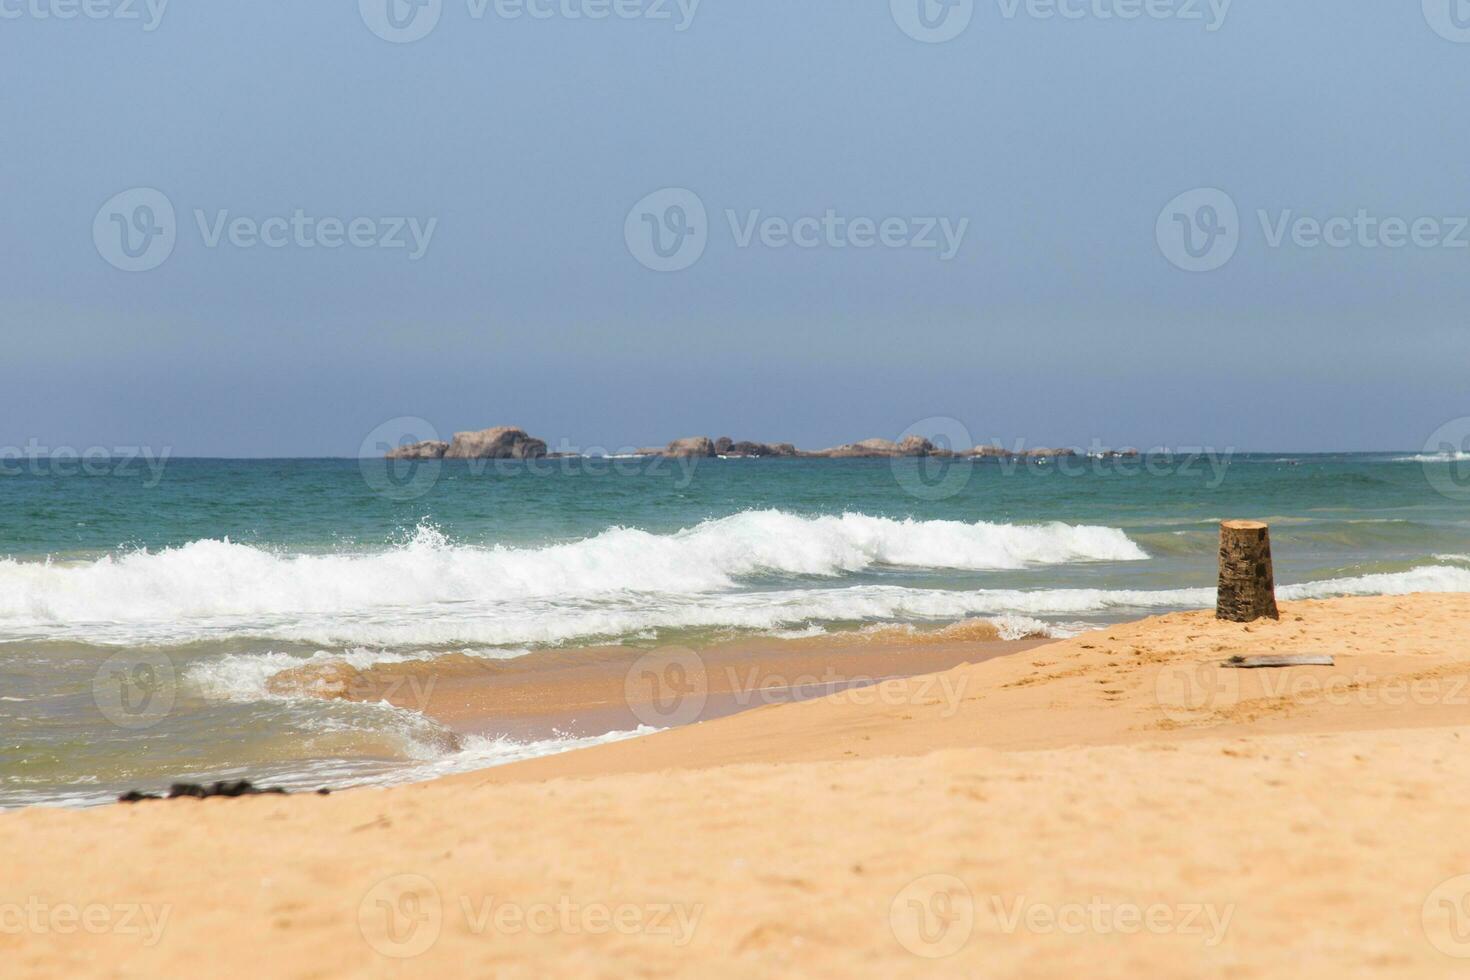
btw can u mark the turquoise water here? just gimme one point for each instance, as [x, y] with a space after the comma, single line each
[124, 588]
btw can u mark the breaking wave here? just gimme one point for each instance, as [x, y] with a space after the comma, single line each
[221, 583]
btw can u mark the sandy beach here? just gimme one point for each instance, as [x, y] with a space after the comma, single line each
[1108, 804]
[653, 488]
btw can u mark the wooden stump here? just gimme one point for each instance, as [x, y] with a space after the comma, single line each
[1247, 583]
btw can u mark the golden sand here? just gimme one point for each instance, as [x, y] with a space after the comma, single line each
[1112, 805]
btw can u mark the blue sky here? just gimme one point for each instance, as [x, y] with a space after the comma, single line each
[1058, 141]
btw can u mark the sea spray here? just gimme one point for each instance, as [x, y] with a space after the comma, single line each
[221, 583]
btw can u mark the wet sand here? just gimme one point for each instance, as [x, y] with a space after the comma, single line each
[594, 690]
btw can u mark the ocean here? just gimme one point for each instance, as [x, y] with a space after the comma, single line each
[143, 610]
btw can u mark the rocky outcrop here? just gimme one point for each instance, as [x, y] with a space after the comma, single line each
[915, 446]
[695, 446]
[428, 449]
[508, 442]
[757, 449]
[743, 449]
[878, 449]
[857, 450]
[504, 442]
[703, 447]
[919, 446]
[998, 452]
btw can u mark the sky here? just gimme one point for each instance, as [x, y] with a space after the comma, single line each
[1129, 189]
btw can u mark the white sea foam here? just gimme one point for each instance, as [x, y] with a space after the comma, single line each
[1449, 456]
[482, 752]
[792, 612]
[1426, 578]
[243, 676]
[430, 595]
[227, 583]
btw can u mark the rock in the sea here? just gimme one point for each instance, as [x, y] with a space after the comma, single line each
[762, 449]
[503, 442]
[857, 450]
[879, 449]
[692, 446]
[428, 449]
[702, 446]
[915, 446]
[1048, 453]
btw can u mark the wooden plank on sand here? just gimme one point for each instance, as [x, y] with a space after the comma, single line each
[1280, 660]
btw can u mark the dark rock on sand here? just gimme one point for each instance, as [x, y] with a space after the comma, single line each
[198, 791]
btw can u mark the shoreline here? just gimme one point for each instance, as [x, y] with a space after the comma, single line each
[1158, 679]
[1202, 819]
[584, 692]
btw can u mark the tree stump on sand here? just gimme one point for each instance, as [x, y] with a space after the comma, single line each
[1247, 582]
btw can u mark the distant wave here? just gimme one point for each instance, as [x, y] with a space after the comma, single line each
[220, 580]
[1454, 456]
